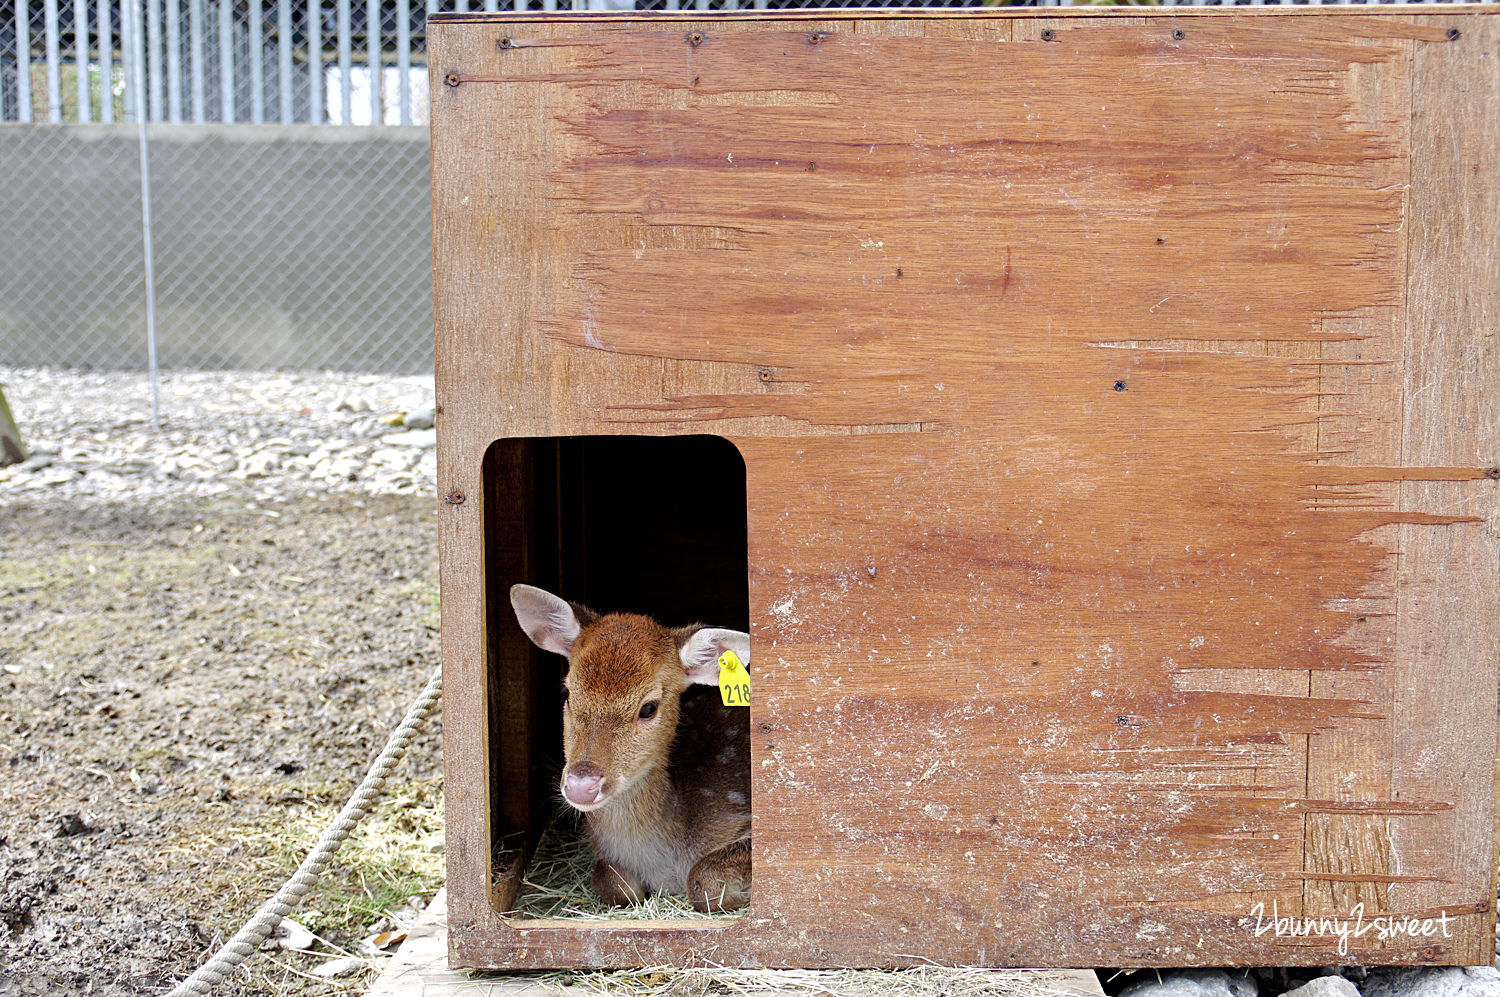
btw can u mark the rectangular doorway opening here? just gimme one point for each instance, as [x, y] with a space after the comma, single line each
[637, 524]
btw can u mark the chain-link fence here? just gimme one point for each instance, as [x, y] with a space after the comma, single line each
[228, 183]
[207, 138]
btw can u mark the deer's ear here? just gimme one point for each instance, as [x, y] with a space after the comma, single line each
[701, 648]
[551, 622]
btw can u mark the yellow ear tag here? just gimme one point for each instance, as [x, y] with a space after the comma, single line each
[734, 680]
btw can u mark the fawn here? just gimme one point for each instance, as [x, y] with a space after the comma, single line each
[660, 769]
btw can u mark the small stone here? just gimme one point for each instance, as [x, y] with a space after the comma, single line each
[36, 462]
[59, 475]
[343, 469]
[420, 419]
[1242, 984]
[415, 438]
[1325, 986]
[394, 419]
[1185, 983]
[354, 403]
[340, 967]
[72, 825]
[258, 465]
[396, 458]
[1450, 981]
[290, 935]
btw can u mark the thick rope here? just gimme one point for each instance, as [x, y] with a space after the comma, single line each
[258, 929]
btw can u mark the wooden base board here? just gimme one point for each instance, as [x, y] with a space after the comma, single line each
[420, 969]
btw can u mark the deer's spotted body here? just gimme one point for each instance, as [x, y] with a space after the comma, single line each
[656, 762]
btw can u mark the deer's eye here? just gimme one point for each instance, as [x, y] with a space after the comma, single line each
[648, 709]
[565, 695]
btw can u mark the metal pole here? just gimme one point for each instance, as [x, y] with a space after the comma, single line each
[81, 57]
[106, 63]
[346, 64]
[23, 60]
[284, 60]
[315, 61]
[138, 83]
[372, 60]
[54, 64]
[128, 66]
[257, 17]
[151, 68]
[196, 75]
[403, 59]
[174, 59]
[226, 60]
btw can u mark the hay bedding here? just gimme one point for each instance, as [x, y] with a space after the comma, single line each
[556, 885]
[921, 981]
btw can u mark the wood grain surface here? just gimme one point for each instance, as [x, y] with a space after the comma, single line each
[1118, 404]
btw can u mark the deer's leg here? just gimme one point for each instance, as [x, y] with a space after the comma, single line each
[615, 886]
[721, 880]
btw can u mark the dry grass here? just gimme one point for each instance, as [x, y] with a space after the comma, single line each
[556, 884]
[921, 981]
[394, 855]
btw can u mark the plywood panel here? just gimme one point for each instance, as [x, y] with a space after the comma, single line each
[1448, 598]
[1083, 368]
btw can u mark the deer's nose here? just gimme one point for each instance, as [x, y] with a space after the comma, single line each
[583, 785]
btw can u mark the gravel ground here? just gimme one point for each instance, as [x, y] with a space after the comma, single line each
[206, 634]
[267, 437]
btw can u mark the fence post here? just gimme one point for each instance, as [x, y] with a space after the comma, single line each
[23, 61]
[131, 13]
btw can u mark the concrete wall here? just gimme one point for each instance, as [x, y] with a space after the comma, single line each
[297, 246]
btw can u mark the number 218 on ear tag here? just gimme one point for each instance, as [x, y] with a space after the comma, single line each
[734, 680]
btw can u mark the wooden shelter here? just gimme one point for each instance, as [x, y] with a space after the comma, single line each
[1112, 406]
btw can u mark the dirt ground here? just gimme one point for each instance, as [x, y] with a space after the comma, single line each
[188, 692]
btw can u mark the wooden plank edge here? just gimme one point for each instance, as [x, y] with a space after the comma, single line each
[419, 968]
[966, 13]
